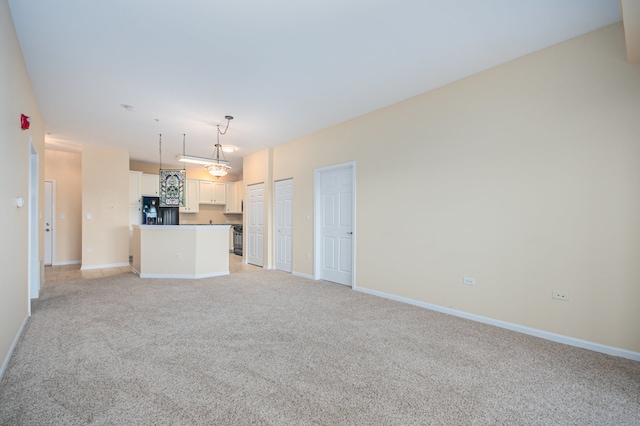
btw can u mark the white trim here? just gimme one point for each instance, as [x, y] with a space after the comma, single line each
[267, 266]
[185, 276]
[571, 341]
[317, 214]
[108, 265]
[301, 275]
[68, 262]
[5, 363]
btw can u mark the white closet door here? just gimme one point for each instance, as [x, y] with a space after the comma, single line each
[255, 224]
[284, 222]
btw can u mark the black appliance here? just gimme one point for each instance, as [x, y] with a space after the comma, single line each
[153, 214]
[237, 240]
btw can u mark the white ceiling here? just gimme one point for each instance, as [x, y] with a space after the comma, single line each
[282, 68]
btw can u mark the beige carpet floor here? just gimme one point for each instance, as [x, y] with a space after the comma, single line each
[265, 347]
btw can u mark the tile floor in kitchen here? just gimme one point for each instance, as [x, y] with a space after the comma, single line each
[73, 272]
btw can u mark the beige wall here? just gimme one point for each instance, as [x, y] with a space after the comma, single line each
[525, 177]
[105, 196]
[65, 168]
[15, 145]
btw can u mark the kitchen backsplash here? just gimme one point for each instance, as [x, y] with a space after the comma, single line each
[209, 212]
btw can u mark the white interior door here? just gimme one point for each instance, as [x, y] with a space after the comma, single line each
[335, 202]
[284, 221]
[255, 224]
[48, 222]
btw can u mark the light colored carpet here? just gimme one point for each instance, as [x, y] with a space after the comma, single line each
[266, 347]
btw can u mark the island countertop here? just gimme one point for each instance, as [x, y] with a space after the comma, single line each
[189, 226]
[181, 251]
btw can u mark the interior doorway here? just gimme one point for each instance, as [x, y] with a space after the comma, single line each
[49, 212]
[335, 223]
[284, 225]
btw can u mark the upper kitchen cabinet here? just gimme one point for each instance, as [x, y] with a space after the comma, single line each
[235, 198]
[213, 192]
[191, 197]
[135, 182]
[150, 185]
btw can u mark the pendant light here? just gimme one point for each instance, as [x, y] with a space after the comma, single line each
[219, 167]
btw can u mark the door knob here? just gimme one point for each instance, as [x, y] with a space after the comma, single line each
[350, 233]
[47, 230]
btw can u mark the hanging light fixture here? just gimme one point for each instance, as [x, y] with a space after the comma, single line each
[218, 167]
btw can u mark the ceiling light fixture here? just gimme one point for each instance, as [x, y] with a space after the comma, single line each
[229, 148]
[194, 159]
[218, 167]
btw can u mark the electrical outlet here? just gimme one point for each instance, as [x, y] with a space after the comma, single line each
[560, 295]
[468, 281]
[88, 249]
[308, 255]
[178, 255]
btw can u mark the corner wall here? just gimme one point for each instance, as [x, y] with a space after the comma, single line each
[105, 207]
[525, 177]
[15, 150]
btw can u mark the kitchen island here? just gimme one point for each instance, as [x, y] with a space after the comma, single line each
[180, 251]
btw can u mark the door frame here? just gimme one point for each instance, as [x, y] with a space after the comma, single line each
[317, 213]
[53, 220]
[34, 268]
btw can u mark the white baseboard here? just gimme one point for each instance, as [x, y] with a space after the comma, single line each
[571, 341]
[301, 275]
[68, 262]
[107, 265]
[5, 363]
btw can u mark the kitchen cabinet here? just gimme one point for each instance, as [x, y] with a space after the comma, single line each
[235, 198]
[135, 190]
[191, 197]
[150, 185]
[213, 192]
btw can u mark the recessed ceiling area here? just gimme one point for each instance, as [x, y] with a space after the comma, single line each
[119, 73]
